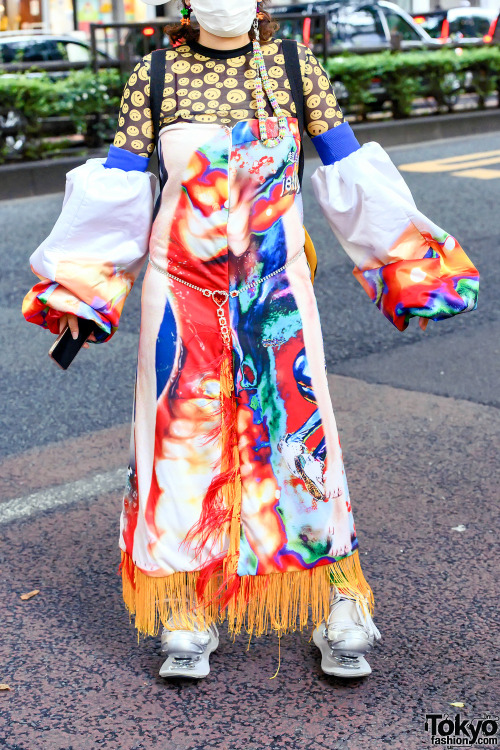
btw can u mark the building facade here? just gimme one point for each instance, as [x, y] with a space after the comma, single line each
[66, 16]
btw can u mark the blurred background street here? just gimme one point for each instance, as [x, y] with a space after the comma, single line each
[419, 423]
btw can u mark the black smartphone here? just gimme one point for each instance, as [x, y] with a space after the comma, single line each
[65, 347]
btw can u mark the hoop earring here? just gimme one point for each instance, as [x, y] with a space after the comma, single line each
[186, 14]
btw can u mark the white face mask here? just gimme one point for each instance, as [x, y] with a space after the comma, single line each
[225, 17]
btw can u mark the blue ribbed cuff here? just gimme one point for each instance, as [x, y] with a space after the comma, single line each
[336, 143]
[118, 158]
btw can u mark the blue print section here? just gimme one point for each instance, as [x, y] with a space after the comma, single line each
[165, 349]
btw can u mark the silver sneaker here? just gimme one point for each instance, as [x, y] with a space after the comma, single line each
[188, 652]
[344, 640]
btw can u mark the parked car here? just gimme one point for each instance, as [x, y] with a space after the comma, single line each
[357, 27]
[354, 26]
[464, 25]
[41, 48]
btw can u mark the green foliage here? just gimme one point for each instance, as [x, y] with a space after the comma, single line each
[402, 79]
[89, 100]
[28, 100]
[355, 72]
[484, 64]
[33, 97]
[405, 76]
[83, 95]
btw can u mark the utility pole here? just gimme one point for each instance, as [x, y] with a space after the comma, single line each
[118, 11]
[12, 14]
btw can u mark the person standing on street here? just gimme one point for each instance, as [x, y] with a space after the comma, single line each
[237, 505]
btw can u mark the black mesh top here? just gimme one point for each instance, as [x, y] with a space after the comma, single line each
[207, 85]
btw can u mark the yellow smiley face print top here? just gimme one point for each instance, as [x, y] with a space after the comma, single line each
[214, 86]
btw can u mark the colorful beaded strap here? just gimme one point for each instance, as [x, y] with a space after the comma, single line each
[264, 83]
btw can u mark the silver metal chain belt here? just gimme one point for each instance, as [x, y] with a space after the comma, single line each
[220, 296]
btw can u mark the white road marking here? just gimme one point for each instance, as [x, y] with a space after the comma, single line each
[63, 494]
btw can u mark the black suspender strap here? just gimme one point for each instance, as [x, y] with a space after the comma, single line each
[157, 85]
[156, 88]
[294, 75]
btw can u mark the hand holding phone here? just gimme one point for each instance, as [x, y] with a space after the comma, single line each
[72, 321]
[74, 334]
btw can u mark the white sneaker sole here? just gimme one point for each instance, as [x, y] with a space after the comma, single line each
[346, 664]
[192, 667]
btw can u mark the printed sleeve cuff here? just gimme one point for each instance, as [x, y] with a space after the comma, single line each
[336, 143]
[119, 158]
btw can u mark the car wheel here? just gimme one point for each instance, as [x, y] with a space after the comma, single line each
[12, 132]
[451, 88]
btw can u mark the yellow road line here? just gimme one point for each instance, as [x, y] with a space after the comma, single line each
[464, 165]
[465, 157]
[452, 163]
[479, 174]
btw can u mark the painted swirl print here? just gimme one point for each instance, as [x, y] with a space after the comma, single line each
[237, 496]
[441, 284]
[237, 220]
[292, 507]
[88, 290]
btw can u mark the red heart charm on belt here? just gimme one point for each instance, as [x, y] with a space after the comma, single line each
[220, 297]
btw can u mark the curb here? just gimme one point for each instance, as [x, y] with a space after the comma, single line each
[420, 129]
[429, 128]
[38, 178]
[34, 178]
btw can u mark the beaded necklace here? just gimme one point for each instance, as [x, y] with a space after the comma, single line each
[263, 82]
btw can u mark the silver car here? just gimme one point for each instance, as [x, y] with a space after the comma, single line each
[353, 26]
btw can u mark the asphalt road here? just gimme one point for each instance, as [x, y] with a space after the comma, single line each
[419, 422]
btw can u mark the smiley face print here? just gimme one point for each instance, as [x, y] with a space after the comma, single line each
[180, 66]
[237, 96]
[200, 90]
[282, 97]
[212, 94]
[137, 145]
[137, 99]
[120, 139]
[313, 101]
[206, 117]
[317, 128]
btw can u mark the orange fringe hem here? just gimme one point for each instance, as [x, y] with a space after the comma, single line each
[279, 602]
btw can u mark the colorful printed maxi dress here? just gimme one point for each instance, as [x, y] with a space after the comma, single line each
[237, 503]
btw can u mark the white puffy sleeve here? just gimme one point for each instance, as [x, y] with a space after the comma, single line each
[91, 259]
[408, 265]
